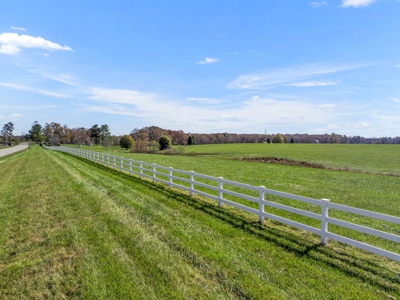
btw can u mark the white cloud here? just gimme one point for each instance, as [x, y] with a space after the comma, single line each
[157, 110]
[313, 83]
[208, 60]
[327, 106]
[228, 117]
[395, 99]
[2, 117]
[67, 79]
[317, 4]
[11, 43]
[206, 100]
[31, 89]
[286, 75]
[18, 28]
[397, 66]
[332, 126]
[358, 125]
[16, 115]
[356, 3]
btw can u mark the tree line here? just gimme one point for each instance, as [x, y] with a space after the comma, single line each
[147, 139]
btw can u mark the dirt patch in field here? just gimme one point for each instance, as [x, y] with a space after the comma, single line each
[284, 161]
[290, 162]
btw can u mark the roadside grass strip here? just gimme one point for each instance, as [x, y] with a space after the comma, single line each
[71, 229]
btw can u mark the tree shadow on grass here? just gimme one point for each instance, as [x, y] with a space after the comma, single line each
[357, 263]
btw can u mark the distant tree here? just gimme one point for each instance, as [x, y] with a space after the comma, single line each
[95, 131]
[126, 142]
[105, 135]
[7, 132]
[189, 141]
[54, 133]
[344, 140]
[79, 136]
[292, 140]
[165, 142]
[334, 138]
[268, 141]
[36, 133]
[278, 139]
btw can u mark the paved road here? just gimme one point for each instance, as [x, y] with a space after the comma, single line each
[10, 150]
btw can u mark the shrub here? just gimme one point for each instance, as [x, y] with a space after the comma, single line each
[126, 142]
[278, 138]
[165, 142]
[175, 151]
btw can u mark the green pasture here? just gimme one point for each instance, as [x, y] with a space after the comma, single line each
[374, 192]
[71, 229]
[362, 157]
[367, 158]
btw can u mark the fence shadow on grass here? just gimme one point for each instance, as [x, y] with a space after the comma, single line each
[357, 264]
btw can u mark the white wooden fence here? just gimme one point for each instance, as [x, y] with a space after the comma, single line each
[168, 176]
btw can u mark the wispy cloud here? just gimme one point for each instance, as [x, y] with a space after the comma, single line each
[398, 66]
[12, 43]
[31, 89]
[327, 106]
[313, 83]
[228, 117]
[356, 3]
[358, 125]
[316, 4]
[27, 107]
[2, 117]
[208, 60]
[16, 115]
[67, 79]
[18, 28]
[286, 75]
[395, 99]
[206, 100]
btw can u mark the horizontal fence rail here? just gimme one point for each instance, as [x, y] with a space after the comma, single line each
[178, 178]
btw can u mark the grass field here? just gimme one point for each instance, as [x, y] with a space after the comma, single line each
[365, 158]
[72, 229]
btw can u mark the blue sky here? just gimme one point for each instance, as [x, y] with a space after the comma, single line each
[203, 66]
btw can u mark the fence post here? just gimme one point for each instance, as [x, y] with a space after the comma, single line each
[102, 158]
[261, 204]
[220, 192]
[122, 164]
[170, 177]
[191, 183]
[130, 166]
[114, 163]
[141, 169]
[154, 173]
[108, 160]
[324, 221]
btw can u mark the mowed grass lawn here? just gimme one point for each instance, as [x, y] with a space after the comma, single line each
[72, 229]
